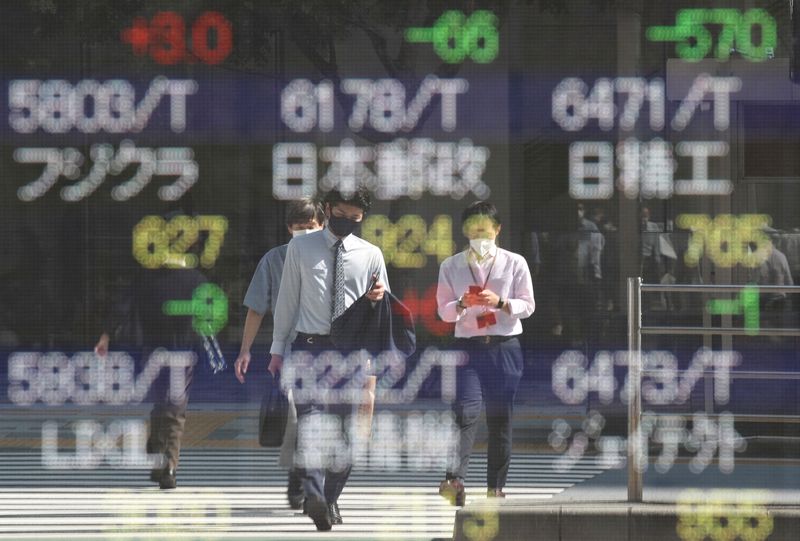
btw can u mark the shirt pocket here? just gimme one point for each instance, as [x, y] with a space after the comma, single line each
[504, 283]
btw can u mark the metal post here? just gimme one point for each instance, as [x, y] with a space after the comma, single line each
[634, 388]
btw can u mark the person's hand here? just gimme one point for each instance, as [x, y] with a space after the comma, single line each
[241, 364]
[376, 293]
[275, 364]
[487, 297]
[101, 348]
[470, 299]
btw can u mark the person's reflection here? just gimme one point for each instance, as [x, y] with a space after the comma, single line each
[651, 267]
[139, 319]
[658, 258]
[608, 257]
[775, 270]
[578, 276]
[24, 292]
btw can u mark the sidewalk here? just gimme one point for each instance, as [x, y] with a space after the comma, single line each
[759, 500]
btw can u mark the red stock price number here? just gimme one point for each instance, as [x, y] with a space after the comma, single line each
[424, 309]
[164, 37]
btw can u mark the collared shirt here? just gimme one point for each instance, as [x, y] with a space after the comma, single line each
[262, 294]
[510, 278]
[304, 299]
[482, 265]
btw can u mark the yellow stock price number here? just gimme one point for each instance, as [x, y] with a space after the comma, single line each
[159, 243]
[721, 515]
[728, 240]
[482, 525]
[138, 516]
[408, 242]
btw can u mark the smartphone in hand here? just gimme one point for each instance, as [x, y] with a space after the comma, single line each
[475, 290]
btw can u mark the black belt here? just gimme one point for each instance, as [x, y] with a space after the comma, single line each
[489, 339]
[314, 338]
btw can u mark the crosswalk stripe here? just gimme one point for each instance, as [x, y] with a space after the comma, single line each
[240, 494]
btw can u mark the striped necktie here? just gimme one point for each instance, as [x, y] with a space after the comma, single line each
[337, 295]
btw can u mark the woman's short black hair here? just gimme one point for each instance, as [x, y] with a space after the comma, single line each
[360, 198]
[482, 208]
[301, 211]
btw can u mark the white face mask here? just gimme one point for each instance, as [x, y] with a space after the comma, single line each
[482, 246]
[301, 232]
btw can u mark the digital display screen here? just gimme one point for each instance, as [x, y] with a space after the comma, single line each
[149, 152]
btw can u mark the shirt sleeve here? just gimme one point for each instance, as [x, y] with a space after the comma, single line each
[259, 294]
[522, 304]
[446, 298]
[786, 271]
[288, 306]
[382, 274]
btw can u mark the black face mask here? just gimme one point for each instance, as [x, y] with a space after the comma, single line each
[341, 226]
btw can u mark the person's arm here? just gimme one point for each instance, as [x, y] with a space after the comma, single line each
[251, 325]
[382, 285]
[785, 271]
[101, 348]
[596, 243]
[383, 276]
[288, 306]
[449, 305]
[536, 260]
[522, 304]
[115, 314]
[257, 300]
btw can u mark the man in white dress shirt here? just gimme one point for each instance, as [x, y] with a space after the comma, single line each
[486, 291]
[324, 273]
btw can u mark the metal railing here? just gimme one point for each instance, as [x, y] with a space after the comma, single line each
[635, 332]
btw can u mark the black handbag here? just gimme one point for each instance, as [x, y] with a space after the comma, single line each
[274, 413]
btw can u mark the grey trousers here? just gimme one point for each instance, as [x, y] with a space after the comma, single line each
[168, 418]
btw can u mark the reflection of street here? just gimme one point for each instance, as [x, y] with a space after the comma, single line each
[758, 501]
[232, 489]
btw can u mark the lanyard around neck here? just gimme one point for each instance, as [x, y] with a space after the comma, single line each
[488, 275]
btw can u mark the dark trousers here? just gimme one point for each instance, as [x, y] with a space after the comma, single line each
[322, 434]
[489, 379]
[168, 417]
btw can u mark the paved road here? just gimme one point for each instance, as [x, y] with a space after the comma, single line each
[240, 494]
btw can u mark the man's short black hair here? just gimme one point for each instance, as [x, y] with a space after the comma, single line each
[360, 198]
[304, 210]
[482, 208]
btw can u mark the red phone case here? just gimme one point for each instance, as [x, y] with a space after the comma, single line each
[475, 290]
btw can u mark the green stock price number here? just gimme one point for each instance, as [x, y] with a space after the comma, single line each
[739, 32]
[456, 36]
[208, 309]
[408, 242]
